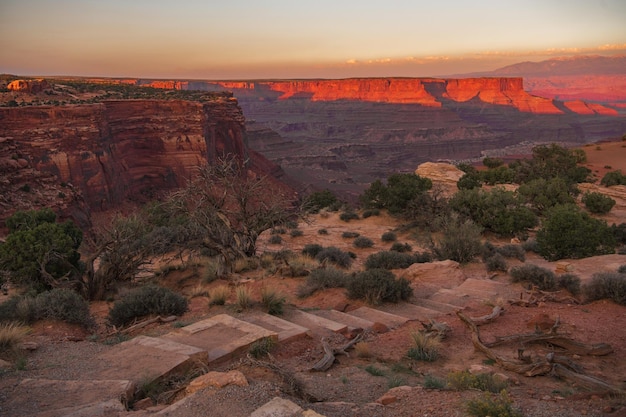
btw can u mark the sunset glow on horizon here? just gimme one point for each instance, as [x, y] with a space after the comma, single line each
[243, 39]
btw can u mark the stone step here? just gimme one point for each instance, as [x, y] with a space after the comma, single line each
[481, 284]
[347, 319]
[410, 311]
[286, 330]
[374, 315]
[470, 293]
[146, 357]
[449, 298]
[221, 336]
[436, 305]
[57, 398]
[312, 321]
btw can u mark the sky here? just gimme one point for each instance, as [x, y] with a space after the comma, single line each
[257, 39]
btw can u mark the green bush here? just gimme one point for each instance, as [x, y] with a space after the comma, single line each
[322, 278]
[335, 256]
[273, 301]
[512, 251]
[394, 260]
[492, 163]
[425, 348]
[570, 282]
[346, 216]
[401, 247]
[389, 237]
[370, 212]
[464, 380]
[296, 233]
[396, 195]
[598, 203]
[531, 245]
[460, 241]
[65, 305]
[431, 382]
[312, 249]
[146, 300]
[622, 269]
[320, 200]
[543, 194]
[278, 231]
[568, 232]
[613, 178]
[322, 232]
[362, 242]
[496, 263]
[606, 285]
[377, 286]
[275, 240]
[350, 235]
[543, 278]
[490, 406]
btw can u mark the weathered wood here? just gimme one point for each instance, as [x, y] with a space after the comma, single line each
[495, 313]
[572, 346]
[157, 319]
[329, 353]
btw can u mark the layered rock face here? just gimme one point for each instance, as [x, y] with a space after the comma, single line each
[27, 86]
[115, 151]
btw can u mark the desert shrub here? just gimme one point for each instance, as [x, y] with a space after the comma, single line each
[401, 247]
[512, 251]
[464, 380]
[273, 301]
[262, 347]
[322, 232]
[622, 269]
[245, 265]
[296, 233]
[374, 371]
[543, 278]
[210, 272]
[598, 203]
[492, 163]
[487, 250]
[243, 297]
[425, 348]
[219, 295]
[291, 224]
[335, 256]
[606, 285]
[496, 263]
[278, 231]
[389, 237]
[146, 300]
[350, 235]
[370, 212]
[275, 240]
[489, 405]
[322, 278]
[530, 245]
[65, 305]
[619, 233]
[570, 282]
[362, 350]
[613, 178]
[299, 266]
[320, 200]
[392, 260]
[377, 286]
[431, 382]
[542, 194]
[395, 196]
[550, 161]
[346, 216]
[569, 232]
[11, 334]
[312, 249]
[362, 242]
[460, 241]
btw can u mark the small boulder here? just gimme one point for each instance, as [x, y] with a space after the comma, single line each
[217, 380]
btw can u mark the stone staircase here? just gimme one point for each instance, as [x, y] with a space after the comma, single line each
[110, 385]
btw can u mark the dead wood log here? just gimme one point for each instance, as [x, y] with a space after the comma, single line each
[141, 324]
[329, 353]
[495, 313]
[436, 329]
[572, 346]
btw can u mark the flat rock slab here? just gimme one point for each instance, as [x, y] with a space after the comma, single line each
[148, 357]
[481, 285]
[347, 319]
[278, 407]
[312, 321]
[374, 315]
[410, 311]
[221, 336]
[56, 398]
[436, 305]
[286, 330]
[469, 292]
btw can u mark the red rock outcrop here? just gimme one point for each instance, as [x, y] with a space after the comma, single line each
[28, 86]
[581, 107]
[117, 151]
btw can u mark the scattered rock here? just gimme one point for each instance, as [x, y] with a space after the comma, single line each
[378, 327]
[478, 369]
[277, 407]
[387, 399]
[217, 380]
[28, 346]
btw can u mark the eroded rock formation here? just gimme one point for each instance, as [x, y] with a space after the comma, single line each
[95, 157]
[28, 86]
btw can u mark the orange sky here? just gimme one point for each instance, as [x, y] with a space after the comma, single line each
[294, 39]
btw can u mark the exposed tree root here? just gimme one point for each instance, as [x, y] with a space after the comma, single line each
[329, 353]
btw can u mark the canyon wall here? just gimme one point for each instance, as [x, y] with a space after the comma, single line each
[99, 156]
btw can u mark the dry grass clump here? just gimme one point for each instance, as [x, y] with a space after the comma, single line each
[362, 350]
[199, 290]
[11, 334]
[219, 295]
[243, 297]
[273, 301]
[426, 347]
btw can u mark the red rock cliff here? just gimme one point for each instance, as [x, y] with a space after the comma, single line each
[117, 150]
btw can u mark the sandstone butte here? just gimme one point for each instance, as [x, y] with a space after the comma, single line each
[117, 151]
[430, 92]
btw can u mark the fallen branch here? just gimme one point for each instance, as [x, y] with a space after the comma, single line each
[572, 346]
[329, 353]
[157, 319]
[495, 313]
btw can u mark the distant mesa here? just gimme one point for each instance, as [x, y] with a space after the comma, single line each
[28, 86]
